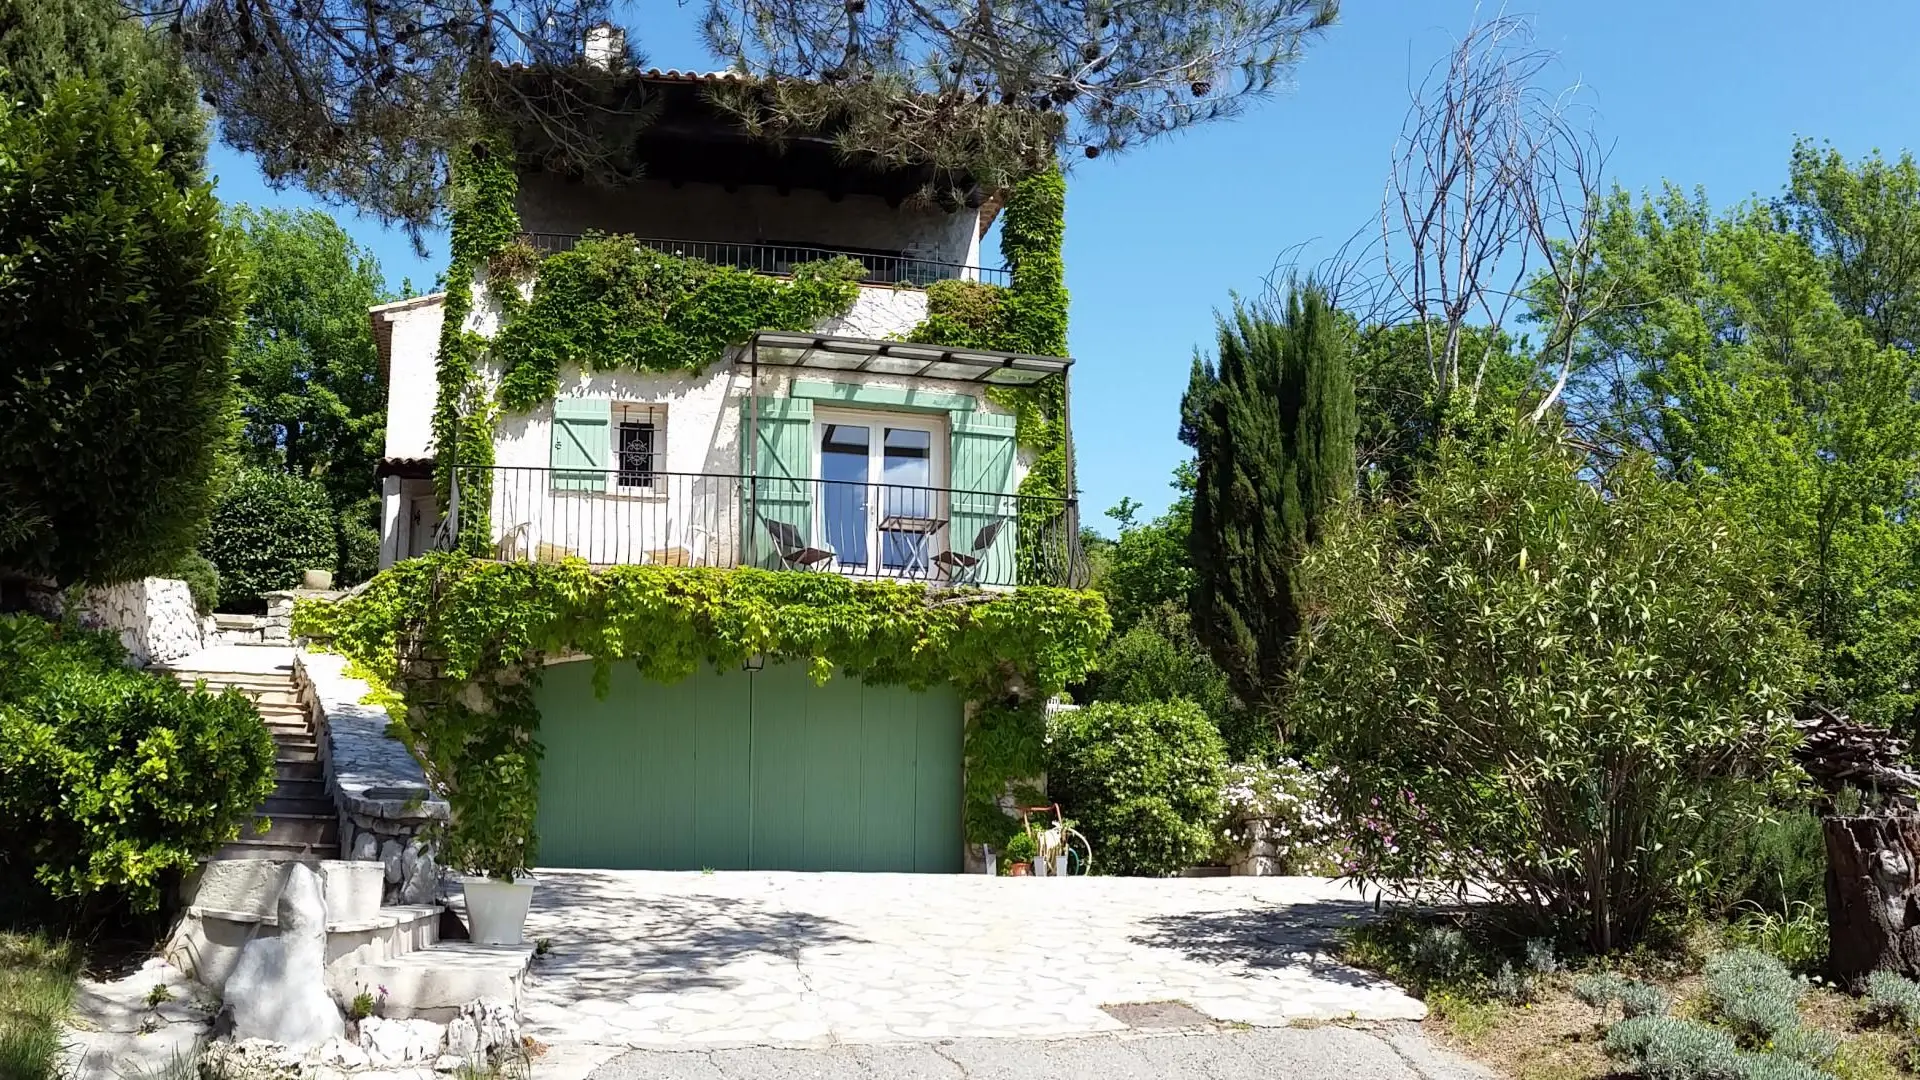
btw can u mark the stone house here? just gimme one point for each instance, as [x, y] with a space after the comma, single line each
[840, 447]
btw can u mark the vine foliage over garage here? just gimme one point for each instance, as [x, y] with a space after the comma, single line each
[459, 645]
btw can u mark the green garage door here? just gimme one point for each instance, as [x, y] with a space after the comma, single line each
[747, 770]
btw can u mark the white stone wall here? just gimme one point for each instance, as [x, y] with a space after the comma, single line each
[411, 381]
[749, 215]
[153, 616]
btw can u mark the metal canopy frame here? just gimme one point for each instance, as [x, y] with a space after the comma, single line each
[825, 352]
[822, 352]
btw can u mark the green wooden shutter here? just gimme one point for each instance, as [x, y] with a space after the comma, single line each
[983, 453]
[777, 461]
[582, 443]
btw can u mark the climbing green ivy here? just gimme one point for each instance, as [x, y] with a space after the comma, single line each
[1029, 316]
[611, 304]
[484, 222]
[462, 641]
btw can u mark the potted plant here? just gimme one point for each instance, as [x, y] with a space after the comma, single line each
[1019, 854]
[491, 837]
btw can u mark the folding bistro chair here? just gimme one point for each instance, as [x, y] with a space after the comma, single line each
[795, 553]
[964, 567]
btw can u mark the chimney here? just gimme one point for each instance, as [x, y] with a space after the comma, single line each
[606, 46]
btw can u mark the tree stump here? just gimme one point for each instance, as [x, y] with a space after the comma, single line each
[1873, 896]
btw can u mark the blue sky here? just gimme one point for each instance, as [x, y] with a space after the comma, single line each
[1703, 92]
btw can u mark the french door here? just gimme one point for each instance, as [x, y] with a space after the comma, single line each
[880, 507]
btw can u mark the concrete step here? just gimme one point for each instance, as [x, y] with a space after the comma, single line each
[221, 680]
[433, 983]
[295, 754]
[209, 940]
[312, 829]
[301, 789]
[279, 806]
[295, 741]
[258, 847]
[298, 770]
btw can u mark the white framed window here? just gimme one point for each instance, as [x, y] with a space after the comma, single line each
[639, 448]
[881, 505]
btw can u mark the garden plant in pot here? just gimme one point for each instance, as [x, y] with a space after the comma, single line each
[491, 838]
[1018, 857]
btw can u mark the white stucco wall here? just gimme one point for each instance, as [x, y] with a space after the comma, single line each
[694, 516]
[749, 215]
[411, 383]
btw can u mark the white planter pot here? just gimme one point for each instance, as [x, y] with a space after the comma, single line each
[497, 910]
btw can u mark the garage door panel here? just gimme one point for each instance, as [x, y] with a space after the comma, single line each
[735, 770]
[886, 782]
[722, 728]
[937, 781]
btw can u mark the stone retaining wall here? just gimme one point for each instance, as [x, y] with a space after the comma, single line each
[387, 812]
[153, 616]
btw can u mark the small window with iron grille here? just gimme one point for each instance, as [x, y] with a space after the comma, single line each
[639, 445]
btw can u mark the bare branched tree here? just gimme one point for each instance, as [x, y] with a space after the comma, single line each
[363, 101]
[1494, 189]
[1080, 76]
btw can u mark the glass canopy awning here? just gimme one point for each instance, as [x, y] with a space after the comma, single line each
[771, 348]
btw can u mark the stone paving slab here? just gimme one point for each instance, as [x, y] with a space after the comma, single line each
[694, 960]
[1374, 1052]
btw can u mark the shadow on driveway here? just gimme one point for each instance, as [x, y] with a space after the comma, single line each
[613, 940]
[1303, 935]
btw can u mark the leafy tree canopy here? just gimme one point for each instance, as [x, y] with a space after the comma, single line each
[1271, 422]
[119, 294]
[1560, 692]
[308, 377]
[368, 103]
[1757, 352]
[45, 41]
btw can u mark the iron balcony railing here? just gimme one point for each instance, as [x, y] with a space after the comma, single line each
[779, 259]
[635, 516]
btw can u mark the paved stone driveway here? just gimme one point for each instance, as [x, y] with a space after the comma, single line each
[665, 960]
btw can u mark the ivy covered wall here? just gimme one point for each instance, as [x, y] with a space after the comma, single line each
[457, 646]
[459, 642]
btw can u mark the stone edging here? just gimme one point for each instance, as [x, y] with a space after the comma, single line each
[387, 813]
[369, 772]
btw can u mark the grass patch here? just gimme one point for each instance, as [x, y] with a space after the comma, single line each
[36, 991]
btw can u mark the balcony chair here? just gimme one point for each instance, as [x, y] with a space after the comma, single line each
[795, 553]
[964, 567]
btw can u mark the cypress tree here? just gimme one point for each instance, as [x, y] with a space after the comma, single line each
[1271, 421]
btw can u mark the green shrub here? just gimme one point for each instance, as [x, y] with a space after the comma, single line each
[119, 297]
[202, 578]
[1805, 1044]
[1893, 999]
[110, 777]
[268, 527]
[1642, 999]
[1777, 863]
[1143, 781]
[1753, 993]
[1665, 1048]
[1512, 985]
[1797, 936]
[1529, 681]
[1636, 998]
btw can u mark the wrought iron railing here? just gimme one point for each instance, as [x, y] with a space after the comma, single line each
[631, 516]
[779, 259]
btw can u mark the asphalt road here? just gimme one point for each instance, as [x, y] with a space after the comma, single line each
[1326, 1052]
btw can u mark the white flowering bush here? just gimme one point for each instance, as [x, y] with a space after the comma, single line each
[1291, 800]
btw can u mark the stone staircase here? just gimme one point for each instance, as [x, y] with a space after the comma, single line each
[299, 818]
[371, 943]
